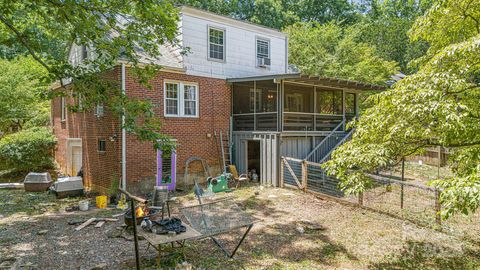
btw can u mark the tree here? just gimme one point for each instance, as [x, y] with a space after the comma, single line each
[328, 50]
[385, 26]
[113, 30]
[21, 90]
[437, 106]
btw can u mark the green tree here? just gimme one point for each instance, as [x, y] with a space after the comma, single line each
[332, 51]
[437, 106]
[385, 26]
[21, 101]
[113, 30]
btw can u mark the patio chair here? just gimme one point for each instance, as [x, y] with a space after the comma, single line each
[238, 178]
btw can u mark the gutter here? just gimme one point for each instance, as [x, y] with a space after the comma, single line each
[124, 139]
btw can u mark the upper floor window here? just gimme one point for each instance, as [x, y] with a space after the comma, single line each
[263, 52]
[99, 110]
[63, 106]
[216, 44]
[181, 99]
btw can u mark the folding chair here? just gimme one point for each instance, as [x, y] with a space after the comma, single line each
[238, 178]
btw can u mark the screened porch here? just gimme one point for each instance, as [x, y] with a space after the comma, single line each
[294, 103]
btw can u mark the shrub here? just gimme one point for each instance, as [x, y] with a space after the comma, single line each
[28, 150]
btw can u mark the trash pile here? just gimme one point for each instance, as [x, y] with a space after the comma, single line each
[164, 226]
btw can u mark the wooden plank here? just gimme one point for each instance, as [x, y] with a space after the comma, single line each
[99, 224]
[11, 185]
[85, 224]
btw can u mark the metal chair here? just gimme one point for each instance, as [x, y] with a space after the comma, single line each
[160, 200]
[238, 178]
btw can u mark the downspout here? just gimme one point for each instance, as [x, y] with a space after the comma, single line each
[124, 137]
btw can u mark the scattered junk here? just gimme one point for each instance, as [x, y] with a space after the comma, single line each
[252, 174]
[141, 212]
[68, 187]
[37, 182]
[218, 184]
[206, 169]
[101, 201]
[83, 205]
[98, 222]
[170, 226]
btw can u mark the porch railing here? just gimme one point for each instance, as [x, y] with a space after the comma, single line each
[343, 140]
[326, 145]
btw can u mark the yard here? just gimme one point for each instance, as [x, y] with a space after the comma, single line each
[34, 232]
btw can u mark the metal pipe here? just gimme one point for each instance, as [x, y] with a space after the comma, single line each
[124, 135]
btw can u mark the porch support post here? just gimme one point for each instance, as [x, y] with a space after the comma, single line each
[343, 109]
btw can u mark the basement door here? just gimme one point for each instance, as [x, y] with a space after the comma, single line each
[74, 156]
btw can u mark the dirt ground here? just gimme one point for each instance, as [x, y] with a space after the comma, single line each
[349, 237]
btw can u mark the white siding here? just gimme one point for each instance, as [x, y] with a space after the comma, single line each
[240, 47]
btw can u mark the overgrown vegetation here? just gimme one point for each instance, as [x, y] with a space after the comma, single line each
[28, 149]
[437, 106]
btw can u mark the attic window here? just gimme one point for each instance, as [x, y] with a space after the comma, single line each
[216, 44]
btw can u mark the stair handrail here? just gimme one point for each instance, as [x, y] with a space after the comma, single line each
[347, 137]
[325, 139]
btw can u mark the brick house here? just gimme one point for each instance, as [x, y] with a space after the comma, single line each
[191, 93]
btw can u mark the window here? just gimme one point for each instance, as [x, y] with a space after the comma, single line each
[329, 102]
[102, 145]
[350, 106]
[294, 102]
[263, 52]
[99, 110]
[216, 44]
[63, 105]
[181, 99]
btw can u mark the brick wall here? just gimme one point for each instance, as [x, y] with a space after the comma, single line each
[100, 168]
[192, 134]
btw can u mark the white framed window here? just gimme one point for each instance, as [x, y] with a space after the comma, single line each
[181, 99]
[216, 44]
[63, 106]
[263, 52]
[99, 110]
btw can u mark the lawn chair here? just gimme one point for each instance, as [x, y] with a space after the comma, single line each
[238, 178]
[160, 200]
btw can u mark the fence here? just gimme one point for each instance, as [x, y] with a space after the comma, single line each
[414, 202]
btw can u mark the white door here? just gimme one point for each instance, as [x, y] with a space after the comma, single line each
[76, 160]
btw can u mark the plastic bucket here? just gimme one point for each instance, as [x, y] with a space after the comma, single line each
[101, 201]
[83, 205]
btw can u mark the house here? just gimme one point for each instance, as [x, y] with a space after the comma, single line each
[235, 79]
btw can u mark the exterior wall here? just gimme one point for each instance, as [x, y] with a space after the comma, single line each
[99, 168]
[194, 135]
[240, 46]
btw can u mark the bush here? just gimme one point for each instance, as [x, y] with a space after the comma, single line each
[28, 150]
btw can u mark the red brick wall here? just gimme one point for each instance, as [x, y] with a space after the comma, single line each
[100, 168]
[190, 133]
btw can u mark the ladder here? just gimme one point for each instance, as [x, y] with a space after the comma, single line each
[223, 149]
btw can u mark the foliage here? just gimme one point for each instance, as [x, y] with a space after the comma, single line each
[328, 50]
[281, 13]
[112, 30]
[385, 26]
[437, 106]
[21, 103]
[28, 150]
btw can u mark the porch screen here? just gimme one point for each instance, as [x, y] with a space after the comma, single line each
[329, 102]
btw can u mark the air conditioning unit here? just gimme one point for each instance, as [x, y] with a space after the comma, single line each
[263, 61]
